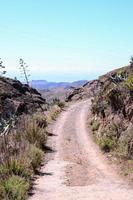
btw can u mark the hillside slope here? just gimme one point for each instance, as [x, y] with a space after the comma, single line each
[112, 109]
[17, 98]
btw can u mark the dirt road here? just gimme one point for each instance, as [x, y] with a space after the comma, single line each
[78, 170]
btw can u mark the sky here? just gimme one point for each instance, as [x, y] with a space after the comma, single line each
[66, 40]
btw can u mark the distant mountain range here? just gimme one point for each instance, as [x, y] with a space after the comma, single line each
[43, 84]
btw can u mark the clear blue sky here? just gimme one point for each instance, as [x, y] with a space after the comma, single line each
[66, 39]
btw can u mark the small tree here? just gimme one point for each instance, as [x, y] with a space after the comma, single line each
[24, 70]
[2, 68]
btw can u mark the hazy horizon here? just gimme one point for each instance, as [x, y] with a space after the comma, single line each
[66, 40]
[59, 77]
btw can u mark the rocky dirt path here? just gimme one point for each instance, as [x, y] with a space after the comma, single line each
[78, 170]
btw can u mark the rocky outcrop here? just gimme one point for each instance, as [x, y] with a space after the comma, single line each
[17, 98]
[88, 90]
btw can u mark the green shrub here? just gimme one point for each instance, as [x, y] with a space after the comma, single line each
[20, 167]
[95, 108]
[114, 98]
[36, 156]
[4, 172]
[122, 73]
[95, 126]
[113, 130]
[129, 82]
[16, 188]
[122, 149]
[14, 166]
[107, 144]
[2, 192]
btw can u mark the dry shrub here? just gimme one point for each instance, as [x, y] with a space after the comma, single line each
[53, 113]
[95, 125]
[34, 134]
[4, 172]
[107, 144]
[41, 120]
[20, 167]
[58, 102]
[2, 192]
[35, 156]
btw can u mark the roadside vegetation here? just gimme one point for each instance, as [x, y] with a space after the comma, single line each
[112, 117]
[23, 152]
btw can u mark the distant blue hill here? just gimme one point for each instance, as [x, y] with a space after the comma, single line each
[43, 84]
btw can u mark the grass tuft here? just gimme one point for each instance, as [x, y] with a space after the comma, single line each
[35, 156]
[15, 188]
[34, 134]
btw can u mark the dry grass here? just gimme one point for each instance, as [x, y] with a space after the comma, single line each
[34, 134]
[53, 113]
[22, 152]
